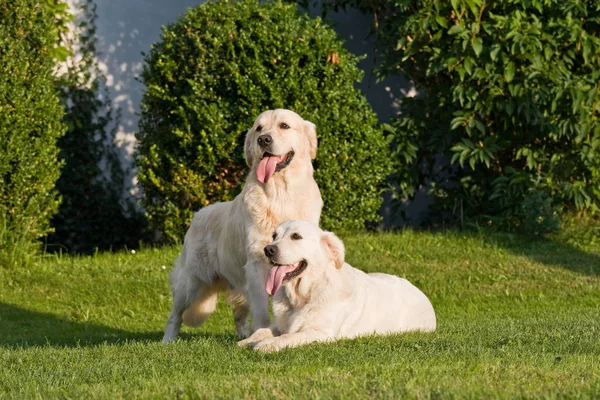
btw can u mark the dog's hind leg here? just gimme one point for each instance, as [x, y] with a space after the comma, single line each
[238, 303]
[193, 301]
[181, 300]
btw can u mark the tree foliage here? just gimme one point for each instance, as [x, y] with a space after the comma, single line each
[30, 125]
[509, 102]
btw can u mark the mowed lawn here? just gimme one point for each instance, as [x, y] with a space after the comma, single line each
[516, 318]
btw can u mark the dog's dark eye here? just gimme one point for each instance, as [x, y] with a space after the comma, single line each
[295, 236]
[284, 126]
[258, 128]
[274, 235]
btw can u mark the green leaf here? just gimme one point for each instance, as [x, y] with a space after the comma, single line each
[472, 161]
[456, 122]
[587, 49]
[455, 5]
[468, 64]
[441, 21]
[61, 53]
[495, 49]
[455, 29]
[477, 46]
[480, 126]
[509, 71]
[461, 72]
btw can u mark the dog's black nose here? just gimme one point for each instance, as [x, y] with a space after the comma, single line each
[271, 250]
[265, 140]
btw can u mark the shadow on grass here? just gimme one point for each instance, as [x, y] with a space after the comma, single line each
[21, 328]
[549, 251]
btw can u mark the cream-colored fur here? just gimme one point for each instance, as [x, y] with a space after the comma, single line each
[223, 248]
[330, 299]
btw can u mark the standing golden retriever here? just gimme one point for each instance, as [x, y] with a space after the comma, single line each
[320, 298]
[223, 248]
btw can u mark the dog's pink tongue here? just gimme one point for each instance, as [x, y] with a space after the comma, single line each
[276, 275]
[266, 167]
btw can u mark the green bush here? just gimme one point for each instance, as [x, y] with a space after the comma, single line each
[509, 104]
[213, 72]
[30, 125]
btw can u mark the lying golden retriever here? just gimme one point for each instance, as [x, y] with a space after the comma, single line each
[318, 297]
[223, 248]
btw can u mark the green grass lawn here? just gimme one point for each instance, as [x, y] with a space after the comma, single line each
[516, 318]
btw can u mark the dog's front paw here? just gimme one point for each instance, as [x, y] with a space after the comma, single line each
[245, 342]
[259, 335]
[268, 345]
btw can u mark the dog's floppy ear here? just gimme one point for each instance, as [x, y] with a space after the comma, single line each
[247, 148]
[311, 133]
[334, 247]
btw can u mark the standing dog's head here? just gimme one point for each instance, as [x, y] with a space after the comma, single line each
[301, 250]
[279, 139]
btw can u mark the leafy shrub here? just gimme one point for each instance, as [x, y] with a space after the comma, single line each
[90, 216]
[30, 124]
[214, 71]
[510, 96]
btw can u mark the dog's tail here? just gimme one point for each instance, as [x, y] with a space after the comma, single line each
[201, 308]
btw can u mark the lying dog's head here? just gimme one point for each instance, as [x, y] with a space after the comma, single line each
[300, 250]
[277, 140]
